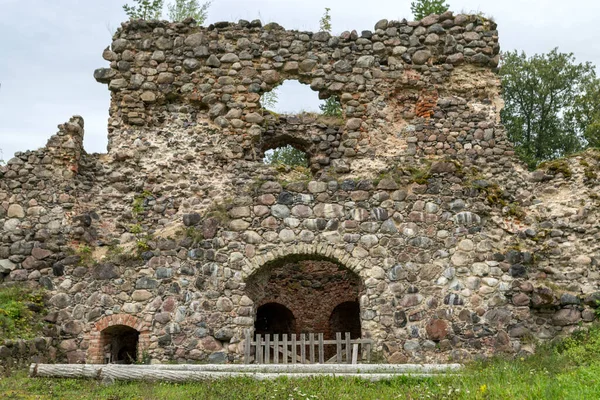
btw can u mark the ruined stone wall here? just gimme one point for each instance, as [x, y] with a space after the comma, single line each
[460, 252]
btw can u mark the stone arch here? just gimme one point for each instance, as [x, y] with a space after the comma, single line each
[116, 324]
[309, 280]
[308, 250]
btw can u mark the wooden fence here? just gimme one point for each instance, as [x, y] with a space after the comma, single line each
[305, 349]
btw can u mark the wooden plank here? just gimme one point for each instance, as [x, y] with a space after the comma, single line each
[276, 348]
[267, 348]
[348, 349]
[294, 349]
[259, 350]
[303, 348]
[355, 353]
[311, 340]
[369, 352]
[247, 346]
[285, 348]
[321, 349]
[338, 345]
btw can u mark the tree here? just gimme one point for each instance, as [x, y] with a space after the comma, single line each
[585, 116]
[145, 9]
[183, 9]
[268, 100]
[325, 21]
[287, 155]
[423, 8]
[332, 106]
[541, 95]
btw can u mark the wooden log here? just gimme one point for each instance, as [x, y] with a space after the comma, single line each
[135, 373]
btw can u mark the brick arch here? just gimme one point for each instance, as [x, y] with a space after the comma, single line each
[95, 354]
[324, 250]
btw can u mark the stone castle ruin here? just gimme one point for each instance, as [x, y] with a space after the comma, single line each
[415, 225]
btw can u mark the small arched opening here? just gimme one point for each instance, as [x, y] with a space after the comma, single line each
[286, 150]
[274, 318]
[345, 317]
[120, 344]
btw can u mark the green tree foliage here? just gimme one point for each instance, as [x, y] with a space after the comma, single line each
[544, 96]
[325, 21]
[268, 100]
[144, 9]
[182, 9]
[287, 155]
[585, 115]
[332, 107]
[423, 8]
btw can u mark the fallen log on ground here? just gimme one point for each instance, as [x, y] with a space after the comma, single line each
[202, 372]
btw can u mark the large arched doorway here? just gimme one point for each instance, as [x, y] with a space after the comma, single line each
[300, 294]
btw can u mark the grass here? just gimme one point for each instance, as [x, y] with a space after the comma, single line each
[568, 370]
[17, 320]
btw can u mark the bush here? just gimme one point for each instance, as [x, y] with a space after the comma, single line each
[17, 318]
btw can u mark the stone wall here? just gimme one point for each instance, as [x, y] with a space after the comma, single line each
[18, 354]
[460, 252]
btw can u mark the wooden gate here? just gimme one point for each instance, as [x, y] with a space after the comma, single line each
[304, 349]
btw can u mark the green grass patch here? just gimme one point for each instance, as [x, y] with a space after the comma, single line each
[20, 310]
[568, 370]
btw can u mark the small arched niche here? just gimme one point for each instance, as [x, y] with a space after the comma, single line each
[120, 344]
[345, 317]
[274, 318]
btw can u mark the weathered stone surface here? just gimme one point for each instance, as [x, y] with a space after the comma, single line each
[566, 316]
[413, 189]
[437, 329]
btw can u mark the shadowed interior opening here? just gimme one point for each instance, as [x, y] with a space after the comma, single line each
[345, 317]
[304, 295]
[274, 318]
[120, 344]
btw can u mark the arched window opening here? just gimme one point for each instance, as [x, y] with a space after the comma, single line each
[274, 318]
[290, 98]
[286, 155]
[345, 317]
[120, 344]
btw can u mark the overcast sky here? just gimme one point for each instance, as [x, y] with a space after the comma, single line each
[50, 48]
